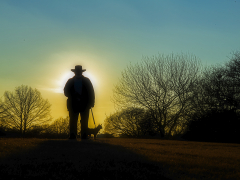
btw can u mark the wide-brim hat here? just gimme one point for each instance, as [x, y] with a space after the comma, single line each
[78, 68]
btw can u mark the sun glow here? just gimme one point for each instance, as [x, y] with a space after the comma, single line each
[91, 77]
[62, 81]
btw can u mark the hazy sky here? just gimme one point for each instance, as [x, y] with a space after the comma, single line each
[42, 40]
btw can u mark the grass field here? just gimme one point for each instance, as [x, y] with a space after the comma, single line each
[116, 158]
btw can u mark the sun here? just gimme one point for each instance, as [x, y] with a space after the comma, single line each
[64, 78]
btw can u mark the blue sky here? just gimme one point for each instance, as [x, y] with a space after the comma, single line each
[40, 41]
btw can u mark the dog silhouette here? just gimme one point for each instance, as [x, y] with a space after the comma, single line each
[94, 131]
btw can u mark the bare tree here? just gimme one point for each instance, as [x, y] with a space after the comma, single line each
[216, 102]
[24, 108]
[126, 122]
[233, 68]
[233, 81]
[164, 86]
[2, 121]
[111, 124]
[219, 87]
[60, 126]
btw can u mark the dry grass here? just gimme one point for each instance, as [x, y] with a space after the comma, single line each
[65, 159]
[186, 159]
[115, 158]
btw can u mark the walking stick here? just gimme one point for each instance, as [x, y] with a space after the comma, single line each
[93, 118]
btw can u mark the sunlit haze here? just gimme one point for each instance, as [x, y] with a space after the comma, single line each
[41, 41]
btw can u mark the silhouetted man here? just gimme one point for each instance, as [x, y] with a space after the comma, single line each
[81, 98]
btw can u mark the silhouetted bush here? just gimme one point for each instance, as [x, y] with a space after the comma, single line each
[2, 133]
[214, 126]
[34, 132]
[12, 133]
[106, 135]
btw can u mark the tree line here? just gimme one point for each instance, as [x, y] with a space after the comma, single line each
[162, 96]
[174, 95]
[25, 113]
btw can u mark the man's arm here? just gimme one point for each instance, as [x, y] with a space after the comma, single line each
[67, 87]
[91, 94]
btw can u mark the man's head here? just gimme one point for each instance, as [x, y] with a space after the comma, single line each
[78, 70]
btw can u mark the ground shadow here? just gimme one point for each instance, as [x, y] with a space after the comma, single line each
[66, 159]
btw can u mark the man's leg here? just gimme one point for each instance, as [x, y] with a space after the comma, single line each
[73, 124]
[84, 123]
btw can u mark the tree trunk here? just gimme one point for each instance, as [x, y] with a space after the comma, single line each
[25, 125]
[161, 130]
[21, 124]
